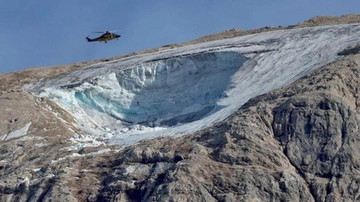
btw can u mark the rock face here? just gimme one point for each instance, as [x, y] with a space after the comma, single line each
[295, 144]
[298, 143]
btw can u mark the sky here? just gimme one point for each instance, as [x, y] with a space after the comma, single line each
[49, 33]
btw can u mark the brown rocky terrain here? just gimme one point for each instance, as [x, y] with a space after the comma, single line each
[298, 143]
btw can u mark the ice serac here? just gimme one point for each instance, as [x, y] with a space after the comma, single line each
[164, 92]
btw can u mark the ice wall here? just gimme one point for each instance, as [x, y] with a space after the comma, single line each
[165, 92]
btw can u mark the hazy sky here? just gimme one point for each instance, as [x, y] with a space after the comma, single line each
[46, 33]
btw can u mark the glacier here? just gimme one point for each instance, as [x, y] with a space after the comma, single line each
[165, 92]
[183, 90]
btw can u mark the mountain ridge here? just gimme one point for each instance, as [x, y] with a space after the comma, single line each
[207, 165]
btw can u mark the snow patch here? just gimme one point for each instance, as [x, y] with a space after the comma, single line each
[74, 155]
[137, 169]
[82, 141]
[18, 133]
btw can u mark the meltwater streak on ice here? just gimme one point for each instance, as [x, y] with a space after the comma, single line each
[274, 59]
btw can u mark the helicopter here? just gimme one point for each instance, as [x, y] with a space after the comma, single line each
[105, 37]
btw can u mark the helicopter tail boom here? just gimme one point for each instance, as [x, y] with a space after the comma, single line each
[88, 39]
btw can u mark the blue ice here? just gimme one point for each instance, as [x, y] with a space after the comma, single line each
[164, 92]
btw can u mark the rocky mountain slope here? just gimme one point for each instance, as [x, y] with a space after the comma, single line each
[297, 143]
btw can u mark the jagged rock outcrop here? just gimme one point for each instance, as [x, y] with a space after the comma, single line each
[298, 143]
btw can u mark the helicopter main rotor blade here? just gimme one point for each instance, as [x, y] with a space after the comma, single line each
[107, 31]
[114, 30]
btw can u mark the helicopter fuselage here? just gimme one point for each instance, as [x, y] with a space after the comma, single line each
[104, 37]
